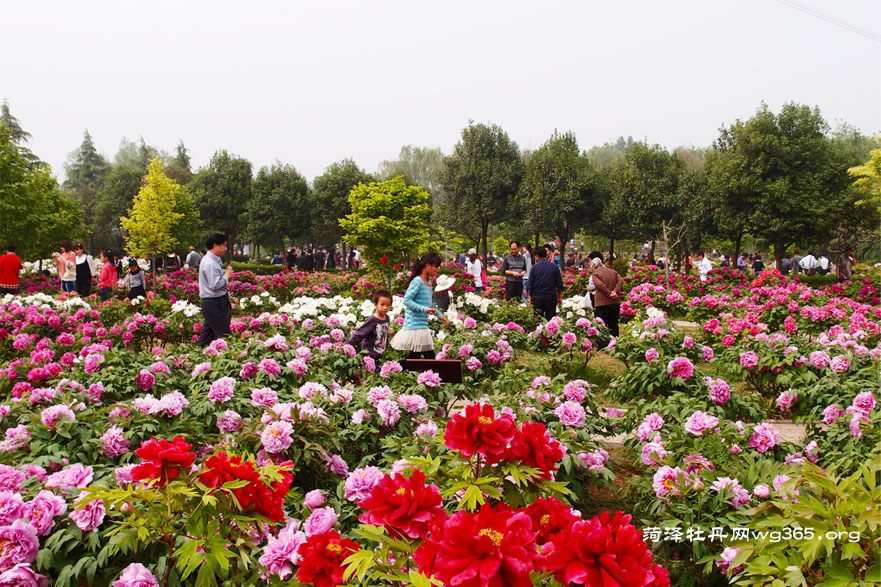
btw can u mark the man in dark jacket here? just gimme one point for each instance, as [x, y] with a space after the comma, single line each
[545, 285]
[514, 269]
[607, 305]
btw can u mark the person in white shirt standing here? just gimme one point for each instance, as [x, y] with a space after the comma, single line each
[704, 265]
[475, 268]
[823, 263]
[809, 263]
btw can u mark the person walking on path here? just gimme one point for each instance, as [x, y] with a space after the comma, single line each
[193, 258]
[107, 277]
[136, 280]
[10, 266]
[608, 293]
[514, 270]
[83, 271]
[474, 268]
[545, 285]
[743, 261]
[214, 291]
[809, 263]
[704, 265]
[530, 261]
[66, 265]
[844, 268]
[415, 336]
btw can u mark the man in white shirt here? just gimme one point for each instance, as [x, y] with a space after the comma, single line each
[809, 263]
[475, 268]
[704, 265]
[823, 262]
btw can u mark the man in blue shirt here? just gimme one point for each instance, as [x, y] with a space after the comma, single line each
[545, 285]
[213, 290]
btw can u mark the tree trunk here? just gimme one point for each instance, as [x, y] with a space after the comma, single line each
[611, 247]
[652, 254]
[484, 231]
[153, 268]
[779, 251]
[737, 242]
[536, 239]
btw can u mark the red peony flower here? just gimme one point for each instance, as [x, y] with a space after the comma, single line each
[480, 431]
[405, 505]
[494, 547]
[534, 447]
[163, 460]
[549, 518]
[604, 551]
[323, 555]
[267, 500]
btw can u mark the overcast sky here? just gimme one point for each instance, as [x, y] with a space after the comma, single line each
[309, 83]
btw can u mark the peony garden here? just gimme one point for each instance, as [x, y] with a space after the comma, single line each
[728, 436]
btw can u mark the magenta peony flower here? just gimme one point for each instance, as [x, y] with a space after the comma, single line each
[314, 499]
[720, 391]
[20, 544]
[473, 364]
[22, 575]
[680, 368]
[280, 555]
[840, 364]
[707, 354]
[651, 354]
[222, 390]
[336, 465]
[571, 414]
[11, 506]
[115, 443]
[699, 422]
[764, 438]
[832, 413]
[361, 482]
[89, 517]
[277, 437]
[569, 338]
[145, 380]
[785, 401]
[749, 360]
[666, 480]
[136, 575]
[864, 402]
[428, 378]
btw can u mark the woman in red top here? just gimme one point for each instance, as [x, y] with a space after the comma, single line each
[107, 277]
[10, 265]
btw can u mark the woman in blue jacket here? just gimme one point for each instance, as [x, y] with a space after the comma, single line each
[415, 335]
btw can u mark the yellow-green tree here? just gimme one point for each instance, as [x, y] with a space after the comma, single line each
[868, 177]
[152, 220]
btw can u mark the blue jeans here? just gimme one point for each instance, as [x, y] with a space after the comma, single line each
[68, 286]
[105, 293]
[525, 289]
[478, 291]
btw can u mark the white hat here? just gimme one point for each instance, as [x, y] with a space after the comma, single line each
[472, 251]
[444, 282]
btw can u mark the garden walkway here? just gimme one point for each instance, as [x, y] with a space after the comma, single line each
[789, 432]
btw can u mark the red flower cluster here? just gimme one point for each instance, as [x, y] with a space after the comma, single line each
[323, 555]
[163, 460]
[605, 551]
[498, 546]
[492, 547]
[403, 505]
[479, 431]
[265, 499]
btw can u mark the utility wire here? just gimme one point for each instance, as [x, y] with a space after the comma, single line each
[831, 19]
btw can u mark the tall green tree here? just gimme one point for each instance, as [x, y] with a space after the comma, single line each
[279, 209]
[330, 199]
[17, 133]
[34, 213]
[782, 173]
[113, 200]
[137, 154]
[423, 166]
[560, 190]
[151, 222]
[389, 219]
[481, 177]
[179, 167]
[222, 190]
[646, 183]
[86, 170]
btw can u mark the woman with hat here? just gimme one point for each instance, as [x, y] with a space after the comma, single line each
[474, 267]
[441, 297]
[136, 280]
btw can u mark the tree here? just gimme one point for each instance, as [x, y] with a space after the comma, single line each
[421, 166]
[559, 192]
[480, 178]
[389, 219]
[279, 206]
[783, 175]
[86, 170]
[330, 199]
[17, 133]
[137, 155]
[151, 222]
[603, 156]
[862, 218]
[222, 190]
[646, 183]
[178, 167]
[112, 202]
[35, 213]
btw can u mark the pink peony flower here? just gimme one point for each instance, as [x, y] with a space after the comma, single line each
[136, 575]
[428, 378]
[389, 411]
[315, 499]
[831, 414]
[390, 368]
[726, 558]
[720, 391]
[749, 360]
[680, 368]
[321, 521]
[145, 380]
[54, 414]
[89, 517]
[22, 575]
[764, 438]
[11, 506]
[263, 397]
[666, 480]
[707, 354]
[473, 364]
[762, 491]
[840, 364]
[699, 422]
[571, 414]
[864, 402]
[280, 554]
[413, 403]
[277, 437]
[336, 465]
[651, 354]
[819, 359]
[595, 461]
[222, 390]
[229, 421]
[20, 544]
[785, 401]
[361, 482]
[115, 443]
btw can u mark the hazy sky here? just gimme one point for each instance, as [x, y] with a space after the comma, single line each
[309, 83]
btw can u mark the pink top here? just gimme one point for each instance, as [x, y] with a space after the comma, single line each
[66, 262]
[107, 277]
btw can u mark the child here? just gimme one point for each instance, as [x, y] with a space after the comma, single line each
[107, 277]
[415, 336]
[441, 297]
[137, 280]
[373, 334]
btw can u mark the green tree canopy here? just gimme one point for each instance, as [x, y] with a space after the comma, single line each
[560, 190]
[86, 170]
[480, 178]
[423, 166]
[113, 201]
[222, 190]
[35, 213]
[389, 219]
[151, 222]
[279, 207]
[330, 197]
[18, 134]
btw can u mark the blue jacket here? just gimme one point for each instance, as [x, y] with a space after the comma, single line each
[417, 300]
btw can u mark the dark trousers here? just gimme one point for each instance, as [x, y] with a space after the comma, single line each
[513, 290]
[218, 314]
[8, 290]
[545, 305]
[106, 292]
[609, 314]
[421, 355]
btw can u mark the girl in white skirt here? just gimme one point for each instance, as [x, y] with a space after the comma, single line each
[415, 336]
